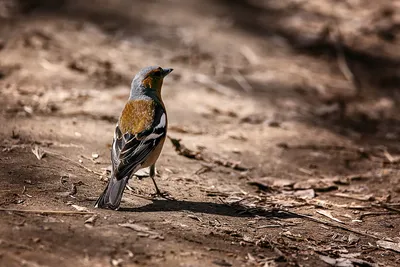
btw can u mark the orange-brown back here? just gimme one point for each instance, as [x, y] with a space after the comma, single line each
[137, 116]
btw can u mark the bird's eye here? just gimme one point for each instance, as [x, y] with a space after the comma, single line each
[157, 73]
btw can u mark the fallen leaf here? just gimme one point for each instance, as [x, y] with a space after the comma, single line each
[251, 257]
[270, 263]
[183, 151]
[191, 154]
[145, 172]
[350, 255]
[305, 194]
[389, 245]
[79, 208]
[38, 152]
[90, 222]
[353, 239]
[342, 262]
[117, 262]
[292, 236]
[28, 109]
[248, 239]
[142, 229]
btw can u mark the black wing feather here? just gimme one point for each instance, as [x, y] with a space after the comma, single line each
[130, 151]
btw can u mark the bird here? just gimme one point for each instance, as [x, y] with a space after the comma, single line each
[139, 135]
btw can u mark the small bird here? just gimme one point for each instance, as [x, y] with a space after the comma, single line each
[139, 135]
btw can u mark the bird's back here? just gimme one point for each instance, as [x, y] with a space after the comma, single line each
[137, 116]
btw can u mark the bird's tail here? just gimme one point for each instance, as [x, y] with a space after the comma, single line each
[112, 195]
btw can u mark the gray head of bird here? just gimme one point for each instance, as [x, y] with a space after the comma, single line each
[149, 79]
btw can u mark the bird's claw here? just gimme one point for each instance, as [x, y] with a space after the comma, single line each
[164, 195]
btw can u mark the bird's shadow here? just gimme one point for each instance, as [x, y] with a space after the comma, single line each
[207, 208]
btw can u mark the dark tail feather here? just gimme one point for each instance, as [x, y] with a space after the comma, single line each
[112, 195]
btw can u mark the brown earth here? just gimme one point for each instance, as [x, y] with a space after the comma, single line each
[293, 105]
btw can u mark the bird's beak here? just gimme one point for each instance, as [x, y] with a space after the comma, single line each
[167, 71]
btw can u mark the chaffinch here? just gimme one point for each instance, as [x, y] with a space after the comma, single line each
[139, 135]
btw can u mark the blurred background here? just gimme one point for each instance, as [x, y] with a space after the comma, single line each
[284, 91]
[336, 60]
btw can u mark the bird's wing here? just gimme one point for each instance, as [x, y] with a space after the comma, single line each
[129, 151]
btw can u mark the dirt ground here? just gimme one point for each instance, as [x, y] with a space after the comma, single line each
[289, 107]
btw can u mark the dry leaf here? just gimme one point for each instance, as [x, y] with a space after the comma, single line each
[38, 152]
[79, 208]
[305, 194]
[117, 262]
[353, 239]
[389, 245]
[270, 263]
[91, 220]
[145, 172]
[184, 151]
[342, 262]
[142, 229]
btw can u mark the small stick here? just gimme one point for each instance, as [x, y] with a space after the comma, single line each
[388, 207]
[62, 212]
[375, 214]
[310, 218]
[269, 226]
[250, 55]
[72, 161]
[207, 81]
[241, 80]
[341, 58]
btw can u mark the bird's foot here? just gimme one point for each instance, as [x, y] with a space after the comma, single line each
[164, 195]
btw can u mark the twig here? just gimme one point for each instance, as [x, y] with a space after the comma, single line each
[327, 214]
[356, 197]
[72, 161]
[341, 58]
[249, 54]
[61, 212]
[390, 158]
[207, 81]
[238, 77]
[388, 207]
[310, 218]
[393, 204]
[375, 214]
[269, 226]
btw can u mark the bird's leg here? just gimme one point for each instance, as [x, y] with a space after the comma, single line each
[152, 174]
[164, 195]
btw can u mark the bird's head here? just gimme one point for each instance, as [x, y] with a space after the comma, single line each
[149, 78]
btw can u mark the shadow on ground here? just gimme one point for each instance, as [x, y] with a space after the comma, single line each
[207, 208]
